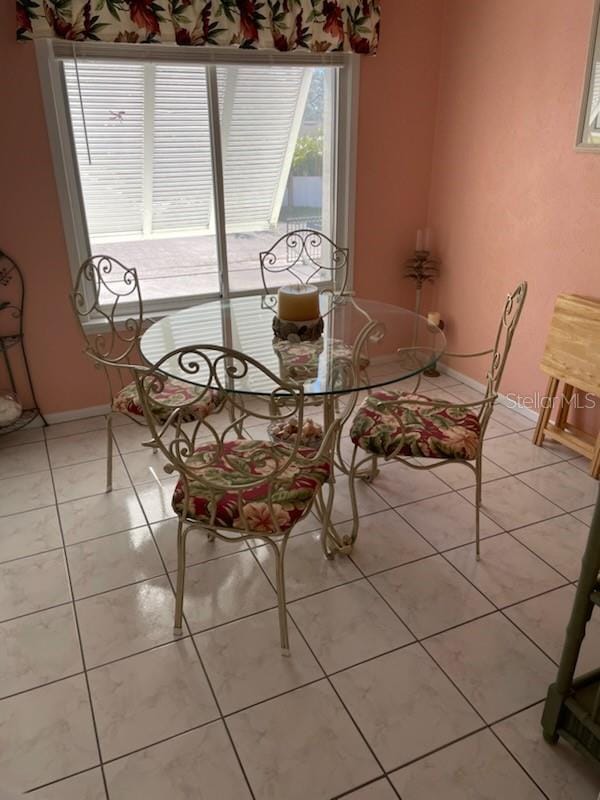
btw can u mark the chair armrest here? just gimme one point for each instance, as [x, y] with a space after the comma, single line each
[468, 355]
[442, 404]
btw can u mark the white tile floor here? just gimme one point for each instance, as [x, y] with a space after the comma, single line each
[416, 672]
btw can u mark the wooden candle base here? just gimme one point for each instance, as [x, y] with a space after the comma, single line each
[308, 331]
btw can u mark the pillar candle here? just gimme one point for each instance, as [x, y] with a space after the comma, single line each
[298, 303]
[419, 245]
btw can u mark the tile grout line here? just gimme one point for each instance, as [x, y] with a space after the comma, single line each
[420, 642]
[60, 780]
[364, 576]
[328, 679]
[81, 650]
[194, 645]
[515, 758]
[486, 725]
[325, 590]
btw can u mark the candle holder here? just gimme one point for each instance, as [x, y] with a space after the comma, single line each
[305, 331]
[421, 268]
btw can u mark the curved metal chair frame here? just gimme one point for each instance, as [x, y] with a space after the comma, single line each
[294, 253]
[115, 350]
[511, 314]
[12, 311]
[224, 369]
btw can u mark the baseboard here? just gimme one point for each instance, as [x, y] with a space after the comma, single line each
[79, 413]
[503, 400]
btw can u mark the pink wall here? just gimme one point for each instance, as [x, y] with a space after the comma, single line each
[397, 97]
[510, 197]
[31, 232]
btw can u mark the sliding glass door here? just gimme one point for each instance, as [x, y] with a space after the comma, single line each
[188, 171]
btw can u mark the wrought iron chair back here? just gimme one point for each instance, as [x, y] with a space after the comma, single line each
[12, 302]
[482, 409]
[509, 320]
[12, 297]
[304, 256]
[108, 291]
[215, 367]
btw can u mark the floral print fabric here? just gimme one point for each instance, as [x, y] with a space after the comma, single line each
[317, 25]
[385, 427]
[237, 505]
[300, 360]
[174, 394]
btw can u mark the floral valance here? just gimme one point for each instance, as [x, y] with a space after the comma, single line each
[315, 25]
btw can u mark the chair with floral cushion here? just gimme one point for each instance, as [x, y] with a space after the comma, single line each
[236, 489]
[307, 256]
[107, 296]
[399, 426]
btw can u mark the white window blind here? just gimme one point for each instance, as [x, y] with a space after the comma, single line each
[182, 189]
[109, 97]
[149, 169]
[261, 112]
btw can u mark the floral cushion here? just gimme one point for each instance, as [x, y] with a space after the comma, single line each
[413, 430]
[301, 359]
[174, 394]
[248, 508]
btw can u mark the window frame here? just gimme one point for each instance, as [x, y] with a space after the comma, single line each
[50, 53]
[583, 126]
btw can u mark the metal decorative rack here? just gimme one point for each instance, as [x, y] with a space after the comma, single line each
[421, 268]
[12, 299]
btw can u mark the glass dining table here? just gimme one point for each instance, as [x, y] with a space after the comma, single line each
[365, 345]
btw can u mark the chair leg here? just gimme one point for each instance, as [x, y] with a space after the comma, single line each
[373, 472]
[279, 555]
[109, 452]
[324, 509]
[181, 537]
[352, 489]
[478, 483]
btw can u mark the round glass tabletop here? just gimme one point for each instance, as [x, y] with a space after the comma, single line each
[388, 343]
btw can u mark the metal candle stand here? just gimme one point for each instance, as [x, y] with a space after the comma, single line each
[421, 268]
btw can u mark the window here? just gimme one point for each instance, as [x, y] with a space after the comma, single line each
[186, 169]
[588, 135]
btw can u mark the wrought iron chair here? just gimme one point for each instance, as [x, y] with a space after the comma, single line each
[230, 487]
[399, 426]
[307, 256]
[304, 256]
[108, 293]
